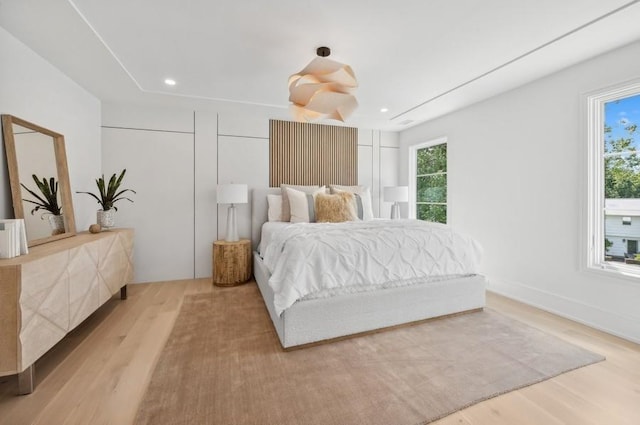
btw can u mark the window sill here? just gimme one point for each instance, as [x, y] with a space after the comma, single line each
[618, 271]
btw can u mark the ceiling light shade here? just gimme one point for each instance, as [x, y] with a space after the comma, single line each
[323, 90]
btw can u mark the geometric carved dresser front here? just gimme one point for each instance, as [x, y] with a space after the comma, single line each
[48, 292]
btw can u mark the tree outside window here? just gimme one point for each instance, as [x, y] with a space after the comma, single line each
[621, 160]
[621, 178]
[431, 183]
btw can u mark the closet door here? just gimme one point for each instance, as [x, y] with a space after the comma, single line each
[389, 158]
[160, 168]
[242, 160]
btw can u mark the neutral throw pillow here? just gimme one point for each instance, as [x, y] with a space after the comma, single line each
[303, 205]
[335, 208]
[286, 209]
[275, 207]
[363, 204]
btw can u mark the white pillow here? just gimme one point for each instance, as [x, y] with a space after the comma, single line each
[286, 209]
[275, 207]
[303, 205]
[365, 197]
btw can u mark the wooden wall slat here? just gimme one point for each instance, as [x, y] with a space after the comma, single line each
[307, 154]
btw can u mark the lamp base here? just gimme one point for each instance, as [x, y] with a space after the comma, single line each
[395, 211]
[232, 225]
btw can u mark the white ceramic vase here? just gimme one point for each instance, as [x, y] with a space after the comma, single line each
[106, 219]
[56, 222]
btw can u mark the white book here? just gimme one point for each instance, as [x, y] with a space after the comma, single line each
[7, 239]
[22, 233]
[4, 241]
[16, 239]
[15, 234]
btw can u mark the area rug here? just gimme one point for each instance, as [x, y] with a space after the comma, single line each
[223, 364]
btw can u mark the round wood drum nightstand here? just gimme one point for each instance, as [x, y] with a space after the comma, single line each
[231, 262]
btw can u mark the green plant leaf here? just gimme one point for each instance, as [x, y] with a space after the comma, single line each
[108, 191]
[96, 198]
[49, 191]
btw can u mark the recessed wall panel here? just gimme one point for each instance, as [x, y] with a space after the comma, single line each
[160, 169]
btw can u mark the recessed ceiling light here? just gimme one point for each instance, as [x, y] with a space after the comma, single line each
[384, 109]
[170, 82]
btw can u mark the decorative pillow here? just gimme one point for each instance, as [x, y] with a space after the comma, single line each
[286, 209]
[335, 208]
[303, 205]
[362, 202]
[275, 207]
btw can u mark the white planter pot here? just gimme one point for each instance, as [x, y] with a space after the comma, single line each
[56, 222]
[106, 219]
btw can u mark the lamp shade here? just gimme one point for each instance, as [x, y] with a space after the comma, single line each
[323, 89]
[230, 193]
[396, 194]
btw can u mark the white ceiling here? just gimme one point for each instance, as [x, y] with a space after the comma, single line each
[418, 58]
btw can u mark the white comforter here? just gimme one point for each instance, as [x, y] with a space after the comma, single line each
[308, 258]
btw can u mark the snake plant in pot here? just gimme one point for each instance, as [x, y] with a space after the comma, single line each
[47, 201]
[108, 194]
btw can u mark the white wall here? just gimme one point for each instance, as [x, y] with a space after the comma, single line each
[159, 168]
[378, 153]
[516, 179]
[32, 89]
[195, 149]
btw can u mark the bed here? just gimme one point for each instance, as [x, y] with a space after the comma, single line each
[308, 319]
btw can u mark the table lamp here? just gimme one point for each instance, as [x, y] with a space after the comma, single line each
[396, 194]
[230, 193]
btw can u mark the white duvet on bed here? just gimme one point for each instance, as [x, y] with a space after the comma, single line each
[306, 259]
[267, 231]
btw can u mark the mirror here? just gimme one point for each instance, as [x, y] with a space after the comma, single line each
[34, 150]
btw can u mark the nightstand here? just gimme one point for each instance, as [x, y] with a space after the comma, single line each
[231, 262]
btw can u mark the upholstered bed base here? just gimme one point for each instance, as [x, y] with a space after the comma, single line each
[321, 319]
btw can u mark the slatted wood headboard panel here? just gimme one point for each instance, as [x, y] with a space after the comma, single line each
[308, 154]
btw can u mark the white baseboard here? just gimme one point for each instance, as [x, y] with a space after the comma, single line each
[592, 316]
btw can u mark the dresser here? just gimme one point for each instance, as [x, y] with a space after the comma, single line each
[48, 292]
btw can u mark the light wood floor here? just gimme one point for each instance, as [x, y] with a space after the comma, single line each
[98, 374]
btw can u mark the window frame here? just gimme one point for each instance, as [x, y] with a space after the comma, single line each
[593, 246]
[413, 159]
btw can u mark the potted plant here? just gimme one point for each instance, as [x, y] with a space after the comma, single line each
[108, 194]
[47, 201]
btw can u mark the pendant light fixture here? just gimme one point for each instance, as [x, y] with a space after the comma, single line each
[322, 90]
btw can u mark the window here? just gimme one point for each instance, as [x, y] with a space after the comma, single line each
[428, 181]
[613, 179]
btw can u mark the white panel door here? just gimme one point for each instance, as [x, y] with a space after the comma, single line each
[206, 172]
[365, 165]
[365, 171]
[241, 160]
[389, 177]
[160, 169]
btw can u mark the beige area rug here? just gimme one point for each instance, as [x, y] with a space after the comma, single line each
[223, 364]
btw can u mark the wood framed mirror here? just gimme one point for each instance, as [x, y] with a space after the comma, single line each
[36, 151]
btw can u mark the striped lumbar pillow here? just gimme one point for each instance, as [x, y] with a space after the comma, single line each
[302, 205]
